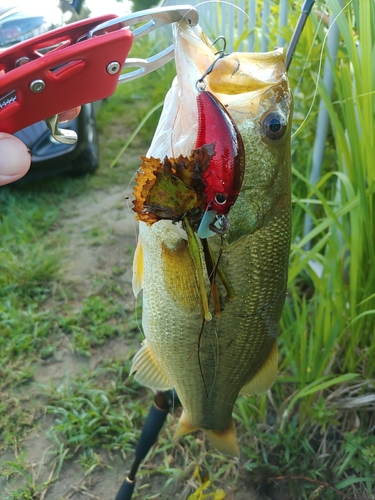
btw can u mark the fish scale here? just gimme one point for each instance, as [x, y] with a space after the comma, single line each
[236, 352]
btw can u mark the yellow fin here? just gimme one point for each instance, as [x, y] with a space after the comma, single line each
[137, 283]
[184, 427]
[225, 441]
[148, 371]
[265, 376]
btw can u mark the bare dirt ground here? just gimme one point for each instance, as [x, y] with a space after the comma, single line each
[83, 262]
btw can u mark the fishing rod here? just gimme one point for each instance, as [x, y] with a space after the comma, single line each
[165, 401]
[306, 9]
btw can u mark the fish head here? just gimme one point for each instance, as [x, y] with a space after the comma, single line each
[256, 92]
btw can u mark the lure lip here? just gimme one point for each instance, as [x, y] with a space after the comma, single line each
[212, 223]
[204, 230]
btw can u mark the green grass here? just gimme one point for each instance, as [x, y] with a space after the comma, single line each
[312, 436]
[101, 410]
[28, 264]
[336, 324]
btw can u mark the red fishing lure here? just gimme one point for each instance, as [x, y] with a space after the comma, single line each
[225, 173]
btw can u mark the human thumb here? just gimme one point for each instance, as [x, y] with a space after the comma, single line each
[14, 159]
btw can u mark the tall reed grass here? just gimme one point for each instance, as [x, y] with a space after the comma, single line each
[334, 326]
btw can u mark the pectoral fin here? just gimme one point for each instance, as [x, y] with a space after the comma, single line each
[265, 377]
[147, 370]
[138, 269]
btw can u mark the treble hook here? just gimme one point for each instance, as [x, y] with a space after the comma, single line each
[201, 84]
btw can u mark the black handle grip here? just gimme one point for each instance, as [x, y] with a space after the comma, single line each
[150, 431]
[154, 422]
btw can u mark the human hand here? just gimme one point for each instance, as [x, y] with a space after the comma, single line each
[15, 158]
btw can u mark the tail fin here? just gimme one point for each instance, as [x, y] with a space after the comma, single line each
[223, 441]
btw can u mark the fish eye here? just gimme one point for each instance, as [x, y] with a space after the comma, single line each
[221, 199]
[273, 125]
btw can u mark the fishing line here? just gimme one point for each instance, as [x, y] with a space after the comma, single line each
[128, 202]
[225, 3]
[216, 351]
[236, 7]
[130, 188]
[212, 277]
[320, 65]
[352, 98]
[319, 71]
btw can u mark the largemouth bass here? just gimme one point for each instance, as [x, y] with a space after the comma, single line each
[209, 363]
